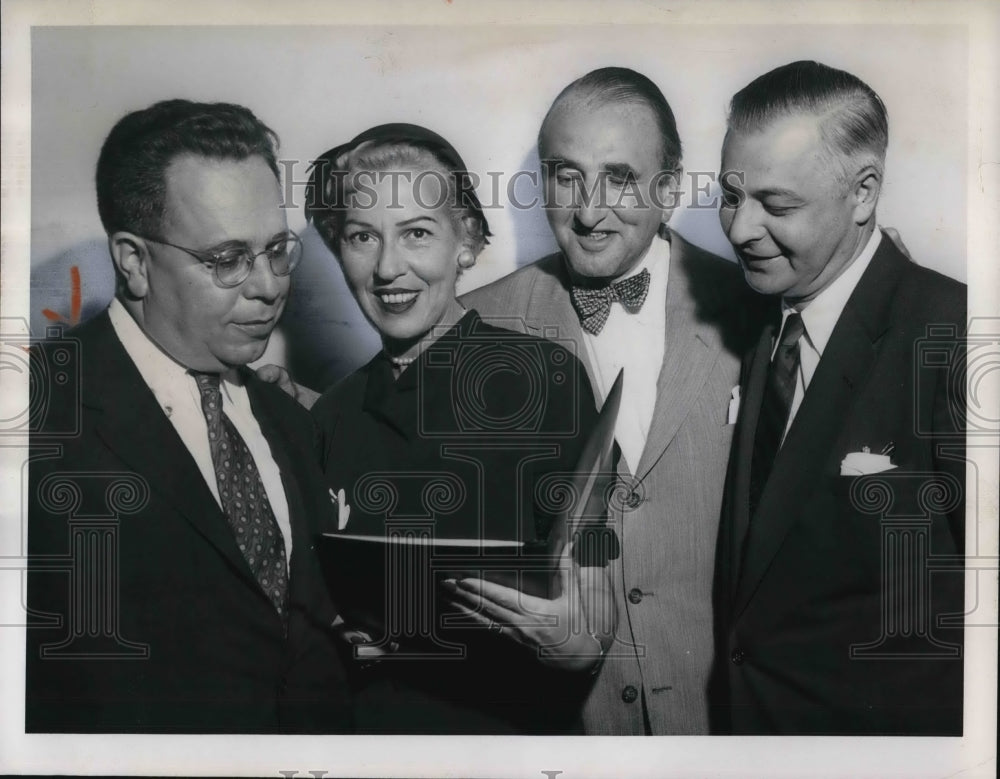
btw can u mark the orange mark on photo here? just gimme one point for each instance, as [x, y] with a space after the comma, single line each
[75, 301]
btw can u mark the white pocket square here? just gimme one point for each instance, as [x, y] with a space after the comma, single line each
[734, 406]
[864, 463]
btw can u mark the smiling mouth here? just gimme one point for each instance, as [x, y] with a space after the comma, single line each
[396, 301]
[593, 239]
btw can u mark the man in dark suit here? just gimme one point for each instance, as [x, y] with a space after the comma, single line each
[627, 293]
[174, 498]
[846, 487]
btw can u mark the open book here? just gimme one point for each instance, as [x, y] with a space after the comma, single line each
[385, 580]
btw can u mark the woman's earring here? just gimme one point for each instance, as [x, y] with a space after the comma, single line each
[466, 259]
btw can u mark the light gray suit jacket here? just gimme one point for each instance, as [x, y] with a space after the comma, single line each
[655, 676]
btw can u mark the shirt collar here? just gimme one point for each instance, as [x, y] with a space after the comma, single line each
[820, 315]
[159, 370]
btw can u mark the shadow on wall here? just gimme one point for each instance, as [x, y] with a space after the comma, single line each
[325, 334]
[698, 220]
[532, 236]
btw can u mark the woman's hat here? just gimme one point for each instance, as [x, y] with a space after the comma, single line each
[319, 191]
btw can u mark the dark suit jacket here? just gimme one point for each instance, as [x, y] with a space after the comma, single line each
[144, 616]
[829, 613]
[655, 677]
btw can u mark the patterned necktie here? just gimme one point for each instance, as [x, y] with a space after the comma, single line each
[777, 404]
[593, 305]
[243, 498]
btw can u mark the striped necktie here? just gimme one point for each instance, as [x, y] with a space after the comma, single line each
[777, 404]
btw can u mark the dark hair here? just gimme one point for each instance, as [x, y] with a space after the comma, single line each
[131, 169]
[621, 85]
[853, 118]
[382, 148]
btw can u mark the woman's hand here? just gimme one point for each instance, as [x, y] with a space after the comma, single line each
[572, 631]
[275, 374]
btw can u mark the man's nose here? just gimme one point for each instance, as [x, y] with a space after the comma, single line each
[262, 284]
[590, 202]
[742, 223]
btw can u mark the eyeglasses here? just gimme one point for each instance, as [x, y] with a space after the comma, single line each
[231, 262]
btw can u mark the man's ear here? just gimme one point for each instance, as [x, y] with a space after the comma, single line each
[866, 189]
[131, 258]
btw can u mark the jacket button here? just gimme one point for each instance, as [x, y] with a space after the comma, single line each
[635, 595]
[633, 500]
[737, 657]
[629, 694]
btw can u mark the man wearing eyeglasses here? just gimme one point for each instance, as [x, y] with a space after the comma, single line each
[172, 586]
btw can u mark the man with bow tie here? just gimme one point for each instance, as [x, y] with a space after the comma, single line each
[174, 497]
[633, 295]
[840, 594]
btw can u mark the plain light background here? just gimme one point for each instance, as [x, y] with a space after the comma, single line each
[484, 88]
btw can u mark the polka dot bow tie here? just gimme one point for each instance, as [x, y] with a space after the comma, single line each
[243, 498]
[593, 305]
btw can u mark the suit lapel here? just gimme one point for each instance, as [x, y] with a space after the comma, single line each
[753, 385]
[550, 313]
[806, 451]
[691, 348]
[134, 427]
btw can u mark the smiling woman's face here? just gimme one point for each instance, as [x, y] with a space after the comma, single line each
[399, 248]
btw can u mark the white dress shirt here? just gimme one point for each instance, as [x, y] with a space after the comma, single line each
[634, 342]
[819, 317]
[176, 391]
